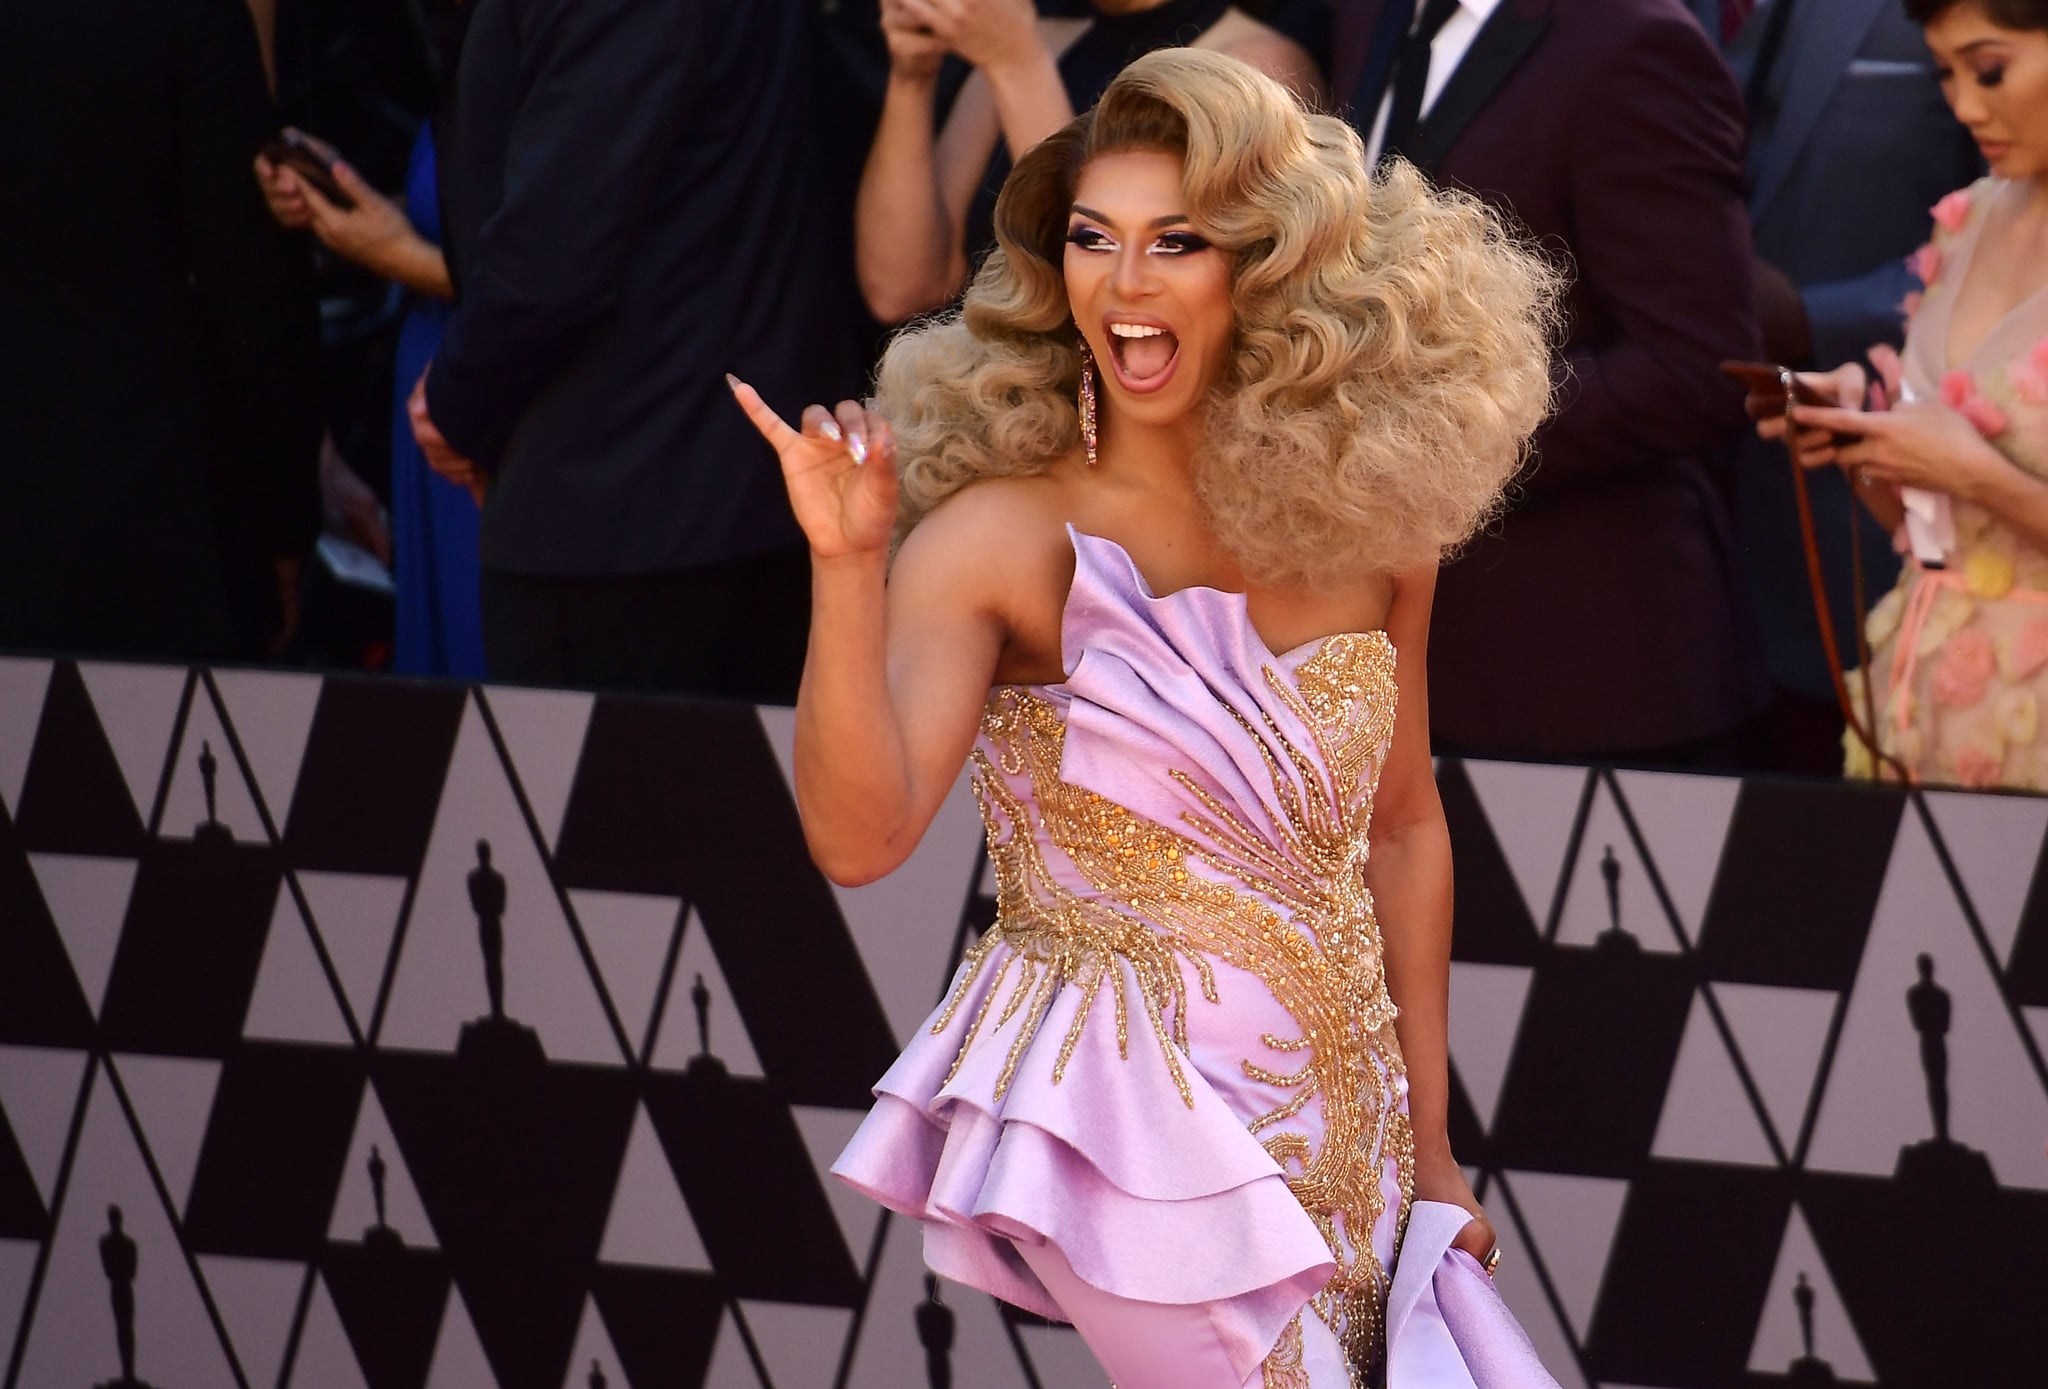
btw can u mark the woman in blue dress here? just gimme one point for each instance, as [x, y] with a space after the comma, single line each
[433, 522]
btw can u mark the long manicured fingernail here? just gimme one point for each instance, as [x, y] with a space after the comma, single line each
[830, 429]
[858, 447]
[732, 381]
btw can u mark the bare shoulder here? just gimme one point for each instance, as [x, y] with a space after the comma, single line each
[1000, 545]
[1267, 49]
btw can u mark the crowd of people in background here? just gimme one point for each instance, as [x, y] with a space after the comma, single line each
[490, 343]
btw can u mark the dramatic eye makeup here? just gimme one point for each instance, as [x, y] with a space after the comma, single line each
[1167, 243]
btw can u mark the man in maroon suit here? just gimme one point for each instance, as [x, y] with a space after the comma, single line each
[1602, 617]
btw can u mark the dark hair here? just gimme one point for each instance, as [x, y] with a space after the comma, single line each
[2006, 14]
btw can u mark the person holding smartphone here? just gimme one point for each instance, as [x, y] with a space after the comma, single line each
[1949, 447]
[434, 522]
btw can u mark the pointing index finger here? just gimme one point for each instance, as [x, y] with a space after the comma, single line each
[773, 427]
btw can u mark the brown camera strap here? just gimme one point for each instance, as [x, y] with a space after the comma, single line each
[1865, 726]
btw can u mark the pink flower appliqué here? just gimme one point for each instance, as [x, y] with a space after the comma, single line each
[1959, 392]
[1977, 767]
[1965, 670]
[1925, 263]
[2029, 375]
[1952, 211]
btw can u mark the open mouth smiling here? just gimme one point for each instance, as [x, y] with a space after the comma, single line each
[1144, 352]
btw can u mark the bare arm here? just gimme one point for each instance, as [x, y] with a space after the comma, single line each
[1410, 879]
[899, 663]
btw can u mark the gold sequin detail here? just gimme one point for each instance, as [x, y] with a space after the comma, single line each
[1282, 1367]
[1291, 908]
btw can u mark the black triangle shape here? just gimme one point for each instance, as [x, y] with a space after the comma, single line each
[370, 784]
[390, 1300]
[663, 1323]
[1491, 924]
[683, 800]
[2027, 979]
[515, 1164]
[74, 799]
[22, 1213]
[41, 1003]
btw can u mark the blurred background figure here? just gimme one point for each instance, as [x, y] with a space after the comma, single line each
[159, 413]
[926, 209]
[1959, 648]
[1849, 144]
[432, 544]
[1604, 615]
[630, 214]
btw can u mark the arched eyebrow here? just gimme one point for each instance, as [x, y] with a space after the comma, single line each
[1172, 219]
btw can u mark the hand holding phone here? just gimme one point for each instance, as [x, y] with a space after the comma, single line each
[312, 160]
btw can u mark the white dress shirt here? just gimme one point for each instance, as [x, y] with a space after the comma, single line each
[1446, 51]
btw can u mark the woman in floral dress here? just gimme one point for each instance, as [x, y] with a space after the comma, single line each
[1959, 648]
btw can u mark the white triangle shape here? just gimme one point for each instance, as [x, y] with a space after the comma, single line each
[292, 1000]
[1779, 1338]
[173, 1099]
[440, 980]
[826, 1132]
[355, 1200]
[17, 1265]
[1781, 1033]
[779, 723]
[1995, 843]
[594, 1363]
[39, 1094]
[629, 934]
[680, 1041]
[357, 917]
[88, 900]
[23, 685]
[137, 708]
[74, 1344]
[1874, 1102]
[1707, 1114]
[731, 1367]
[889, 1353]
[650, 1222]
[1588, 916]
[272, 712]
[185, 799]
[459, 1360]
[325, 1358]
[1531, 809]
[1572, 1220]
[1486, 1015]
[257, 1299]
[801, 1344]
[1684, 820]
[543, 732]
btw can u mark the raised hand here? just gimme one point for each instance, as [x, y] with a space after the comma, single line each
[840, 471]
[915, 52]
[986, 33]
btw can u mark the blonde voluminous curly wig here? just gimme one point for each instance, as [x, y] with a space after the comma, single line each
[1392, 345]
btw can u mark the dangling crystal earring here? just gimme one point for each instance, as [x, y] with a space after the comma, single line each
[1088, 431]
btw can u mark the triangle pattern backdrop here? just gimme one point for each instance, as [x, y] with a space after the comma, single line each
[379, 1111]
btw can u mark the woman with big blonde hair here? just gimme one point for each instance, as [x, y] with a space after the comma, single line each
[1166, 499]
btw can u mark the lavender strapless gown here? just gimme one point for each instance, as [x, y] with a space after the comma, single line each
[1173, 1056]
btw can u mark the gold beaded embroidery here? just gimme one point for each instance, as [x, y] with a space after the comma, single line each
[1295, 913]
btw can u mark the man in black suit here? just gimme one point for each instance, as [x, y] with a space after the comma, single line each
[630, 216]
[159, 339]
[1603, 616]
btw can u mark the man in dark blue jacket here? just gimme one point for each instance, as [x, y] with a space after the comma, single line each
[630, 215]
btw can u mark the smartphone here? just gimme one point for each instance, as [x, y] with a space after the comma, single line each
[311, 161]
[1775, 383]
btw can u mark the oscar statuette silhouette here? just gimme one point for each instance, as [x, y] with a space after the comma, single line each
[495, 1039]
[210, 831]
[1939, 1168]
[1614, 940]
[935, 1334]
[120, 1260]
[597, 1380]
[1809, 1371]
[380, 1236]
[703, 1066]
